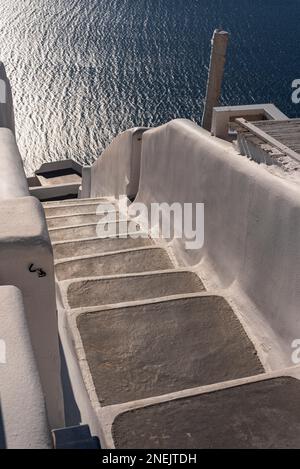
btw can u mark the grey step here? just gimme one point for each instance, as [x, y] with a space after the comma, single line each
[70, 202]
[86, 231]
[83, 219]
[74, 209]
[97, 246]
[259, 415]
[124, 262]
[107, 291]
[156, 348]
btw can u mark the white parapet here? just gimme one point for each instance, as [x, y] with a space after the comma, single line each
[12, 177]
[23, 418]
[117, 171]
[7, 118]
[252, 223]
[26, 261]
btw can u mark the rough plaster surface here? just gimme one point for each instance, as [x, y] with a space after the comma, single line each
[145, 351]
[25, 426]
[261, 415]
[131, 288]
[139, 260]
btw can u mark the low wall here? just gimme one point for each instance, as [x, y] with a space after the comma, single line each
[252, 218]
[116, 172]
[26, 261]
[25, 256]
[7, 118]
[23, 414]
[13, 181]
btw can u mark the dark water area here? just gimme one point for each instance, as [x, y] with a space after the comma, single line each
[84, 70]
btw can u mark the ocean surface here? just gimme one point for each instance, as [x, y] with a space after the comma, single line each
[84, 70]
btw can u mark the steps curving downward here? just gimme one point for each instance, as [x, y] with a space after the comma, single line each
[147, 333]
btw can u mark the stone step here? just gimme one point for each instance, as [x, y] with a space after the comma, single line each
[258, 415]
[82, 219]
[75, 209]
[158, 347]
[121, 262]
[69, 202]
[64, 250]
[72, 233]
[121, 289]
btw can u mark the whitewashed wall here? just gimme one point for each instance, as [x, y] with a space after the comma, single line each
[24, 241]
[23, 414]
[116, 172]
[252, 221]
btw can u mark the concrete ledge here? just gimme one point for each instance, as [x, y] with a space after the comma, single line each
[55, 192]
[22, 400]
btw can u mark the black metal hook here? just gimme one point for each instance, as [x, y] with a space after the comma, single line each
[41, 273]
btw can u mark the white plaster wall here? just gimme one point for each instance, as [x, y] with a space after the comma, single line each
[252, 219]
[24, 240]
[12, 177]
[116, 172]
[7, 118]
[21, 397]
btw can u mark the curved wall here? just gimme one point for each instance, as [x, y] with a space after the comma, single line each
[252, 218]
[117, 171]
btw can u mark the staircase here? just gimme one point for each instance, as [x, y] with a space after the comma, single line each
[147, 329]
